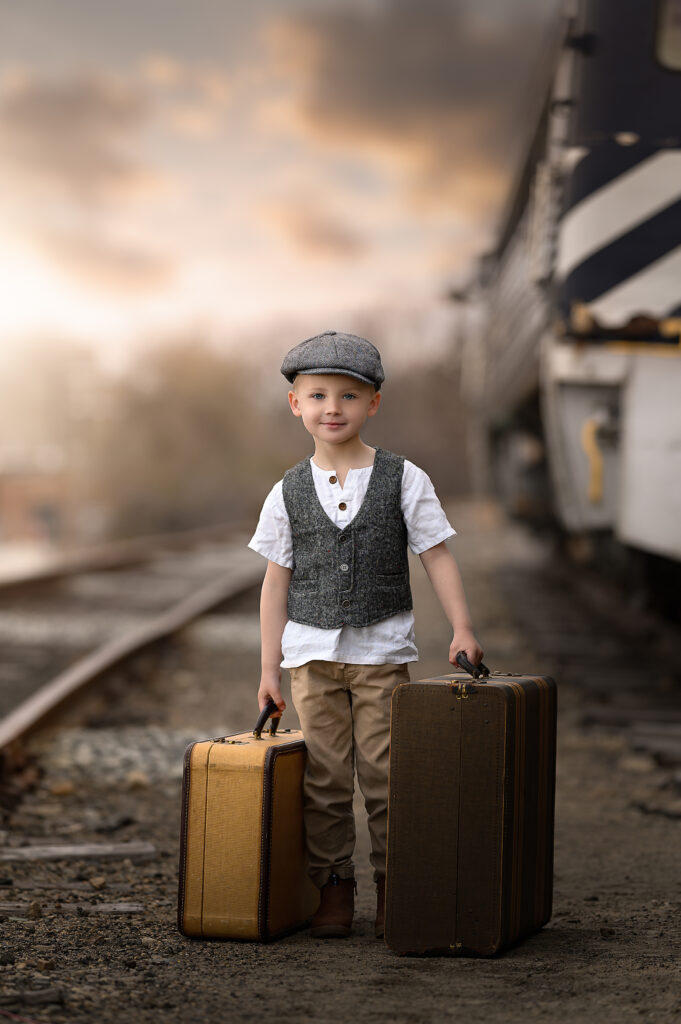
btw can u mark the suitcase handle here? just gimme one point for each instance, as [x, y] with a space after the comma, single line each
[262, 718]
[479, 671]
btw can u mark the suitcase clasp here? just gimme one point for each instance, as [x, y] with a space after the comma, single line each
[461, 690]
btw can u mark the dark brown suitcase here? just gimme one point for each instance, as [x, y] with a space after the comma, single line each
[471, 808]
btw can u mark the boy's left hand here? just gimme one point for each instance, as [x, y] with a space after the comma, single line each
[465, 641]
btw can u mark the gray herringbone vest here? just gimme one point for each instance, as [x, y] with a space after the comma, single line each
[356, 575]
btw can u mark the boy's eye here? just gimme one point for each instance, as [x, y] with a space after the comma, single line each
[349, 395]
[317, 394]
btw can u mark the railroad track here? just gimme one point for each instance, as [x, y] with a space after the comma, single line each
[65, 624]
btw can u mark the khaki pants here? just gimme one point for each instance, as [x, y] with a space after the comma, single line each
[344, 713]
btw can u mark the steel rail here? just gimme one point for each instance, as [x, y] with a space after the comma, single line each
[116, 554]
[24, 718]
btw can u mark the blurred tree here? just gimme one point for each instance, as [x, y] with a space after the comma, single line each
[46, 390]
[422, 417]
[191, 436]
[193, 439]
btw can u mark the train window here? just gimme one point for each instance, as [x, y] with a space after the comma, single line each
[668, 37]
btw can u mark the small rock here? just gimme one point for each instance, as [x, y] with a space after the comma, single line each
[147, 940]
[62, 787]
[45, 965]
[607, 933]
[637, 764]
[98, 882]
[34, 911]
[6, 880]
[114, 823]
[137, 779]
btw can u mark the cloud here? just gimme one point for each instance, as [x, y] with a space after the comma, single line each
[67, 147]
[107, 264]
[312, 230]
[192, 120]
[74, 137]
[192, 97]
[160, 69]
[429, 90]
[213, 86]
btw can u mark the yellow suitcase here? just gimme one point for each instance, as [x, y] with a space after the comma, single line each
[243, 867]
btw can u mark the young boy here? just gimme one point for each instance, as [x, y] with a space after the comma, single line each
[336, 606]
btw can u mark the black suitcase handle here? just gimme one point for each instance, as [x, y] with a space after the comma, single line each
[479, 671]
[262, 718]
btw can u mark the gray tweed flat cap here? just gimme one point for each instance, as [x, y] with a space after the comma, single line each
[332, 352]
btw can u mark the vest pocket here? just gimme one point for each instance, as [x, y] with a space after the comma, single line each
[391, 579]
[305, 584]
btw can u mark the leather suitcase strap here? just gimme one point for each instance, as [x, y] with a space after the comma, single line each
[534, 781]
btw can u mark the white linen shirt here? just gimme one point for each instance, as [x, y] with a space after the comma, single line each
[390, 641]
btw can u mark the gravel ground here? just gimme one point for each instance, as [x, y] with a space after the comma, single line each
[95, 940]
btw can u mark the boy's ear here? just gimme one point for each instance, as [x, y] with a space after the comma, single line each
[293, 402]
[374, 404]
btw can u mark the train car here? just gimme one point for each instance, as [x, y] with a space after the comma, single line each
[573, 374]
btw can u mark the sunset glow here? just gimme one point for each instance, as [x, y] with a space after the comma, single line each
[158, 178]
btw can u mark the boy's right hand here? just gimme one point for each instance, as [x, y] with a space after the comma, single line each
[270, 689]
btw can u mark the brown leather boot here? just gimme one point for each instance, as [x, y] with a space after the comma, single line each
[379, 924]
[333, 917]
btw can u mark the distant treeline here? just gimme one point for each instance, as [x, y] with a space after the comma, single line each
[190, 436]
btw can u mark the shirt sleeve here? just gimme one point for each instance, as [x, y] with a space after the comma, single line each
[427, 524]
[272, 537]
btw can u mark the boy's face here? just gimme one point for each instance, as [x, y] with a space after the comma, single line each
[333, 407]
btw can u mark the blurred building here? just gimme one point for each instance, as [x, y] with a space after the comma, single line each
[36, 502]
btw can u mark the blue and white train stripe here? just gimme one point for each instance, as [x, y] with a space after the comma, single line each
[619, 242]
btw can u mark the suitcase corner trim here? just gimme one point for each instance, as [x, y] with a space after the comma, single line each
[184, 814]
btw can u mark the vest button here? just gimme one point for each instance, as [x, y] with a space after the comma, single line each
[333, 479]
[344, 567]
[345, 604]
[342, 506]
[343, 537]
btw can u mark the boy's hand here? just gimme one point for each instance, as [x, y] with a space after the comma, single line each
[466, 642]
[270, 689]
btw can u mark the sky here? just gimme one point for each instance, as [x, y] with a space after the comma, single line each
[231, 167]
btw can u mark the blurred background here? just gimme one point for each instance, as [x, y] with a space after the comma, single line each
[190, 190]
[490, 192]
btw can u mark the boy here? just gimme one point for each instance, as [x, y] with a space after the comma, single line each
[336, 605]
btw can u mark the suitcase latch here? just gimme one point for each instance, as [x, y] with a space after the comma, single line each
[462, 690]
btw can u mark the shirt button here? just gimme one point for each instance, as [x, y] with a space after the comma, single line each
[344, 567]
[333, 479]
[342, 506]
